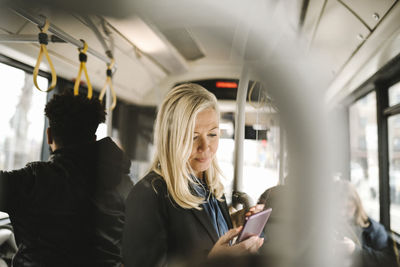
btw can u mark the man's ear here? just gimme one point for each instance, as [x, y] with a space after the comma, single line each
[49, 136]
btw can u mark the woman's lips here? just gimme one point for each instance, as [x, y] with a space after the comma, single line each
[201, 159]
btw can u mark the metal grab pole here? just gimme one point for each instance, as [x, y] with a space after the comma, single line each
[41, 20]
[282, 159]
[109, 111]
[239, 128]
[27, 38]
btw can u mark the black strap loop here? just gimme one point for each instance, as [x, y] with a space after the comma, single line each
[43, 38]
[109, 73]
[82, 57]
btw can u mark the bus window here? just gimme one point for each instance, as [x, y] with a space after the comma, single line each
[22, 118]
[261, 164]
[394, 94]
[394, 171]
[101, 131]
[260, 153]
[364, 172]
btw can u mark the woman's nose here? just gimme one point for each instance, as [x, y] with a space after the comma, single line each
[203, 144]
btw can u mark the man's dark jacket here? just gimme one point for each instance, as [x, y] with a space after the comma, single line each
[69, 211]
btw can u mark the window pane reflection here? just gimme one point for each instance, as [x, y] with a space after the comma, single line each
[22, 118]
[394, 94]
[364, 153]
[260, 166]
[394, 171]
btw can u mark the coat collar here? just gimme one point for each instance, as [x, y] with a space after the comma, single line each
[204, 219]
[202, 216]
[225, 212]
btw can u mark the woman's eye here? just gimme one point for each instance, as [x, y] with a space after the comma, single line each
[194, 138]
[212, 135]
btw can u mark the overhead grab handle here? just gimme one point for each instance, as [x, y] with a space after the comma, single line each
[43, 41]
[82, 66]
[258, 105]
[109, 83]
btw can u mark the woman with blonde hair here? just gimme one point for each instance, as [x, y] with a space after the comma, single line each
[178, 209]
[359, 236]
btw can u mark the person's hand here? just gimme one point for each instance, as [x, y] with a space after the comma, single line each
[240, 216]
[223, 245]
[255, 209]
[348, 245]
[345, 246]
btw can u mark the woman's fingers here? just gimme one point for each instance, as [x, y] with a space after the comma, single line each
[223, 246]
[260, 243]
[252, 244]
[229, 235]
[259, 207]
[255, 209]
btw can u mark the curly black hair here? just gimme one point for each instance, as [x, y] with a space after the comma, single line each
[74, 119]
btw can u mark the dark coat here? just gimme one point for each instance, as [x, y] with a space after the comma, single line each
[157, 230]
[377, 247]
[69, 211]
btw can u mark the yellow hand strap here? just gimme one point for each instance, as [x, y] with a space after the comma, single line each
[43, 40]
[82, 66]
[109, 83]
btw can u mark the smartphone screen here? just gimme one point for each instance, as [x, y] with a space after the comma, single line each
[254, 225]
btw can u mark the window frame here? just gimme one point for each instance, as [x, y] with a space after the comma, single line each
[61, 85]
[29, 69]
[349, 142]
[380, 82]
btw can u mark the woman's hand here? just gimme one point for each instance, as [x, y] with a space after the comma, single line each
[239, 217]
[250, 245]
[255, 209]
[348, 245]
[344, 247]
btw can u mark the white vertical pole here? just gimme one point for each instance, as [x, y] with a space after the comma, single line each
[109, 112]
[282, 147]
[239, 128]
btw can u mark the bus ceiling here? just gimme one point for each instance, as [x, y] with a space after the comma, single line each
[157, 45]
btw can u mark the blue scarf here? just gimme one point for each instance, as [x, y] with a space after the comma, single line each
[211, 207]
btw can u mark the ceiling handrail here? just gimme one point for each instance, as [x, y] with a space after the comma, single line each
[43, 40]
[40, 21]
[109, 83]
[82, 67]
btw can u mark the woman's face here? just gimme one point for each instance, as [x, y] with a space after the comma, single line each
[205, 141]
[350, 209]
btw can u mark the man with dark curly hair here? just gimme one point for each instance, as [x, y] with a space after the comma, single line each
[69, 211]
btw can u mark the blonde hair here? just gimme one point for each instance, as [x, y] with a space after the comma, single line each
[348, 190]
[174, 132]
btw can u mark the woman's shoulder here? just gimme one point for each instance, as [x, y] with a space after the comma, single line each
[376, 235]
[374, 224]
[147, 198]
[375, 228]
[152, 183]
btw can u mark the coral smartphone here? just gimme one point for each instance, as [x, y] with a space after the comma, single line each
[254, 225]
